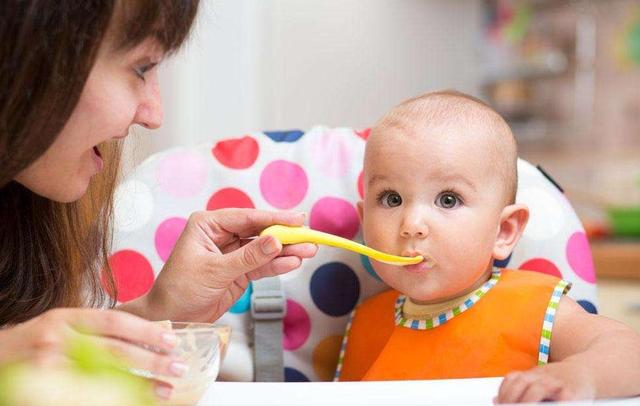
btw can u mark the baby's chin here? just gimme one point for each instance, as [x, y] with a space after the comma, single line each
[423, 298]
[417, 293]
[430, 291]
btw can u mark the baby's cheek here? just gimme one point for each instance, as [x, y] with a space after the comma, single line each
[474, 261]
[385, 272]
[473, 243]
[374, 235]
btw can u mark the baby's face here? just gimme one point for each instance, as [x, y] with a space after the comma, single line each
[434, 194]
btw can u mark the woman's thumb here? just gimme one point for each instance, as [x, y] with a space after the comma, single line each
[255, 254]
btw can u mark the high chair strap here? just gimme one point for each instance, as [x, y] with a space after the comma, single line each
[268, 307]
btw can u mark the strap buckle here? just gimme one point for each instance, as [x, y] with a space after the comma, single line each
[268, 304]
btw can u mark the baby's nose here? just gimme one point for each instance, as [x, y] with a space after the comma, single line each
[416, 228]
[414, 234]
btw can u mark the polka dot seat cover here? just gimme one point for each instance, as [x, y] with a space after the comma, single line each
[319, 172]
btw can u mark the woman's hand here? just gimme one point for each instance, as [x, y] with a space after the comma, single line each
[42, 340]
[215, 258]
[561, 381]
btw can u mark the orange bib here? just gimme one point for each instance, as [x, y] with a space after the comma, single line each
[499, 333]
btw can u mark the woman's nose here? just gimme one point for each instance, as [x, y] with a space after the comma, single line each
[414, 226]
[149, 112]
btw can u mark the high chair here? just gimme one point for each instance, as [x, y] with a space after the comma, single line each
[319, 172]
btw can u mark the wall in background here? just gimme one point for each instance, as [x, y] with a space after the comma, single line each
[279, 64]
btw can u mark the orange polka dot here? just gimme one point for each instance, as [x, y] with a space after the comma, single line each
[325, 357]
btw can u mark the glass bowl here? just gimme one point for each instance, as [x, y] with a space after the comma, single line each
[201, 346]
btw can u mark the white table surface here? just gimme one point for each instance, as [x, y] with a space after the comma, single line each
[455, 392]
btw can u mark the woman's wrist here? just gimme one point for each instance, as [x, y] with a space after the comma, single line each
[141, 307]
[154, 305]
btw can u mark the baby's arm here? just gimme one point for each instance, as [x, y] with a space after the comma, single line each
[591, 357]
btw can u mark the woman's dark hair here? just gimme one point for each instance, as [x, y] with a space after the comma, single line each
[52, 254]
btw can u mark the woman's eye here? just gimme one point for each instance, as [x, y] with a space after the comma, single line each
[448, 201]
[390, 199]
[142, 70]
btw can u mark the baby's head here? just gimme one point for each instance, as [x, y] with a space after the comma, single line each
[440, 180]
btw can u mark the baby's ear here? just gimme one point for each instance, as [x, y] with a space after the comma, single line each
[360, 206]
[513, 220]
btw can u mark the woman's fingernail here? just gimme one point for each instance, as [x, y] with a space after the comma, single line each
[269, 245]
[178, 368]
[169, 339]
[163, 392]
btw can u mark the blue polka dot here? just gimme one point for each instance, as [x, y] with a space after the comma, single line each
[285, 136]
[502, 263]
[367, 266]
[588, 306]
[335, 289]
[244, 302]
[293, 375]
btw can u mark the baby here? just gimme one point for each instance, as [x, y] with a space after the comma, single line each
[440, 181]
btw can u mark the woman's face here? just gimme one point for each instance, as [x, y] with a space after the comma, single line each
[121, 90]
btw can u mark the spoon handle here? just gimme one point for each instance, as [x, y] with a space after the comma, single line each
[295, 235]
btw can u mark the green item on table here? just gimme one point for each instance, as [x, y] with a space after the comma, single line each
[633, 42]
[517, 28]
[94, 377]
[625, 221]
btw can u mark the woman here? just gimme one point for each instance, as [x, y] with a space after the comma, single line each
[74, 76]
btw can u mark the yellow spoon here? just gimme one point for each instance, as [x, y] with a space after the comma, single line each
[295, 235]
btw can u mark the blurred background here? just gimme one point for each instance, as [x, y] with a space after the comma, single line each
[564, 73]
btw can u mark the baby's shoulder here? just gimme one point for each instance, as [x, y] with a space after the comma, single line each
[575, 328]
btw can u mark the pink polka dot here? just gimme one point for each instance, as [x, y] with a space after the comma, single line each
[237, 153]
[364, 134]
[283, 184]
[167, 234]
[332, 154]
[229, 197]
[132, 273]
[361, 184]
[579, 257]
[297, 326]
[182, 174]
[335, 216]
[541, 265]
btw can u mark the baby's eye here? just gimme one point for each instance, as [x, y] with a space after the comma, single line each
[448, 200]
[390, 199]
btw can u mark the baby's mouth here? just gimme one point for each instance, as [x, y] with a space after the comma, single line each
[97, 151]
[427, 261]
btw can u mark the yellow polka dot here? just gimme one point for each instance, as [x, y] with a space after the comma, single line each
[325, 357]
